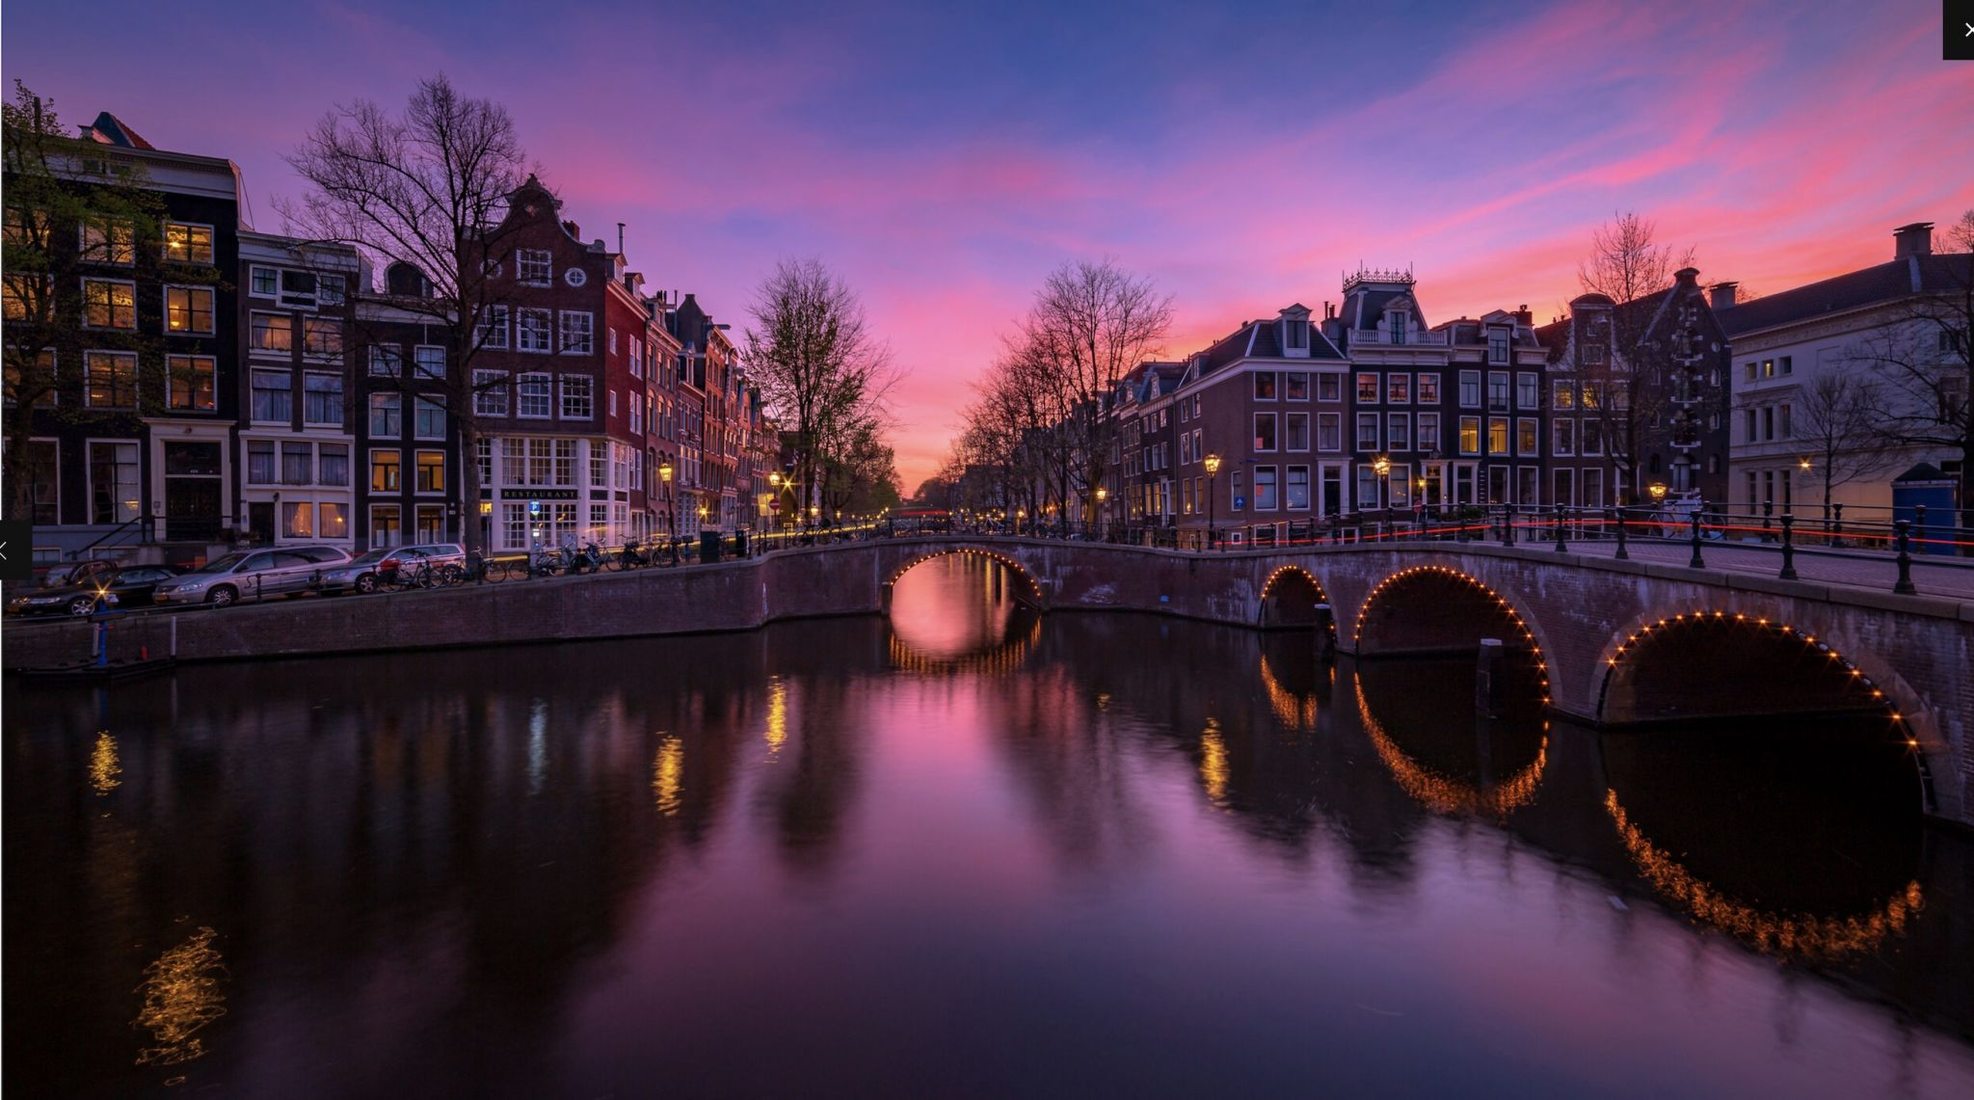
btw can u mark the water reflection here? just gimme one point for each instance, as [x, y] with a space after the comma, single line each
[789, 861]
[105, 770]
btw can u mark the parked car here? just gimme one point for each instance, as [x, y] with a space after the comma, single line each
[367, 571]
[133, 584]
[67, 596]
[251, 574]
[74, 572]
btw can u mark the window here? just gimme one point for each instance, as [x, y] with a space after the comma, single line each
[612, 396]
[1593, 438]
[385, 529]
[1367, 389]
[111, 379]
[261, 282]
[1593, 488]
[578, 397]
[1782, 423]
[1186, 496]
[637, 421]
[108, 304]
[1528, 391]
[431, 472]
[1185, 448]
[297, 464]
[1528, 442]
[335, 464]
[531, 330]
[637, 357]
[329, 289]
[1593, 355]
[1298, 487]
[1264, 385]
[1497, 347]
[1236, 494]
[1329, 431]
[1428, 438]
[1563, 486]
[492, 332]
[490, 393]
[1768, 422]
[535, 402]
[431, 523]
[428, 418]
[1788, 364]
[386, 415]
[185, 243]
[1750, 369]
[1768, 368]
[321, 336]
[1398, 431]
[1562, 438]
[298, 520]
[386, 362]
[297, 289]
[191, 382]
[428, 361]
[188, 310]
[1367, 431]
[1398, 389]
[577, 334]
[1562, 395]
[611, 334]
[386, 471]
[1749, 434]
[1264, 489]
[322, 399]
[1264, 431]
[271, 332]
[1497, 390]
[1470, 435]
[534, 266]
[1470, 394]
[1295, 387]
[1329, 387]
[108, 241]
[260, 462]
[112, 482]
[1367, 487]
[1428, 389]
[1298, 431]
[1620, 394]
[1298, 333]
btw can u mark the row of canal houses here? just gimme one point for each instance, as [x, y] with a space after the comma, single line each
[303, 398]
[1369, 410]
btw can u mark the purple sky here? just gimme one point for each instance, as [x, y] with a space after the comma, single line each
[945, 161]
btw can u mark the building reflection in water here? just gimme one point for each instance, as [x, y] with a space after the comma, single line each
[575, 870]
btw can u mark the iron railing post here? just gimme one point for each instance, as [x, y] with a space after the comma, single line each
[1562, 535]
[1507, 525]
[1903, 586]
[1697, 562]
[1788, 547]
[1623, 554]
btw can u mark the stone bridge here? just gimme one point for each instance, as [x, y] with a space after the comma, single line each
[1617, 642]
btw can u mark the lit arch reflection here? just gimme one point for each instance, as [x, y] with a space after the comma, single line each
[1295, 710]
[1445, 795]
[1796, 936]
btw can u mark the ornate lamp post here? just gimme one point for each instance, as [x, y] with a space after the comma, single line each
[1103, 494]
[1382, 464]
[1212, 499]
[671, 511]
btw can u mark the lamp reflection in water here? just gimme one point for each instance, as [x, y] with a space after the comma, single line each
[181, 996]
[1213, 769]
[776, 734]
[105, 769]
[668, 773]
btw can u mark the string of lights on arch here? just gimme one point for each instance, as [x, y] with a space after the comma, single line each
[1500, 601]
[1448, 796]
[1014, 566]
[1280, 570]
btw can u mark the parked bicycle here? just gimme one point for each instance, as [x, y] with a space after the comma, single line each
[631, 556]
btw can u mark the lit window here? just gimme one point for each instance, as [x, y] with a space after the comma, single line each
[112, 379]
[192, 382]
[431, 472]
[271, 332]
[108, 241]
[109, 304]
[386, 471]
[188, 309]
[187, 244]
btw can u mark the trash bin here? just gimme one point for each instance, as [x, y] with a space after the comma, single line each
[1925, 494]
[709, 546]
[740, 544]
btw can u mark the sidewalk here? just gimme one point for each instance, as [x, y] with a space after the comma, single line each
[1873, 571]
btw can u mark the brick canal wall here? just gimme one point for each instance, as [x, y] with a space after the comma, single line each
[1580, 612]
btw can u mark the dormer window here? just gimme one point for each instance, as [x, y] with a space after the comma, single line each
[1497, 347]
[1295, 335]
[1396, 322]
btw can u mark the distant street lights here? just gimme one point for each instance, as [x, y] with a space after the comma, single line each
[1212, 499]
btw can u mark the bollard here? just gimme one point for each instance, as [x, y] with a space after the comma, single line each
[1788, 547]
[1919, 526]
[1622, 555]
[1326, 633]
[1903, 586]
[1697, 562]
[1490, 676]
[1562, 535]
[1507, 525]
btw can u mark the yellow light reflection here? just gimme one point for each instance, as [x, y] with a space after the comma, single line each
[181, 996]
[1295, 712]
[1448, 796]
[668, 773]
[1798, 936]
[1213, 762]
[105, 769]
[777, 731]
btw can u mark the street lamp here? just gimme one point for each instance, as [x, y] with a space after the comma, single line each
[671, 510]
[1212, 463]
[1382, 464]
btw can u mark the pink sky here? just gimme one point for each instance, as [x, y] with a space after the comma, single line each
[945, 159]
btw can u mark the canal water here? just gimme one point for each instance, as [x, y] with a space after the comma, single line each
[967, 851]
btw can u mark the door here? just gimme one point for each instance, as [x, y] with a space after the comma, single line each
[192, 494]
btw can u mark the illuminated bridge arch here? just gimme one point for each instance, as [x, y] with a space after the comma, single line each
[1712, 663]
[1028, 591]
[1428, 609]
[1289, 598]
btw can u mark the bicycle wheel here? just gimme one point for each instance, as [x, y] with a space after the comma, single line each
[617, 562]
[492, 571]
[450, 575]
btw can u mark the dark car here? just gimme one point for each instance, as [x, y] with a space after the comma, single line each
[65, 597]
[133, 584]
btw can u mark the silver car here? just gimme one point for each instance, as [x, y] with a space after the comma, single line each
[251, 575]
[367, 571]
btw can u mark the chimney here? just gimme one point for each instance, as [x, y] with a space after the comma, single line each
[1912, 240]
[1687, 277]
[1722, 295]
[573, 230]
[1523, 315]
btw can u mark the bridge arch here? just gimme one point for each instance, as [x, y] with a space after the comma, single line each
[1031, 587]
[1445, 610]
[1713, 663]
[1289, 597]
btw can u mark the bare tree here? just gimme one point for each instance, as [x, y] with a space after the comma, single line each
[1090, 325]
[821, 372]
[1626, 378]
[1922, 361]
[428, 187]
[1836, 414]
